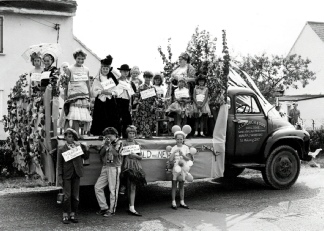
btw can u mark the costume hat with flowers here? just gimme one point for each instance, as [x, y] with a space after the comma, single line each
[201, 77]
[107, 61]
[73, 132]
[124, 67]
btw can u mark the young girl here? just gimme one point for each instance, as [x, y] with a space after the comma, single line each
[78, 97]
[36, 61]
[132, 170]
[201, 106]
[158, 82]
[180, 152]
[181, 106]
[48, 60]
[145, 117]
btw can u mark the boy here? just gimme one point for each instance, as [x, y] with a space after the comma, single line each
[69, 174]
[110, 173]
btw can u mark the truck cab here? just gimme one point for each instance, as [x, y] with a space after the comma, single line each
[259, 138]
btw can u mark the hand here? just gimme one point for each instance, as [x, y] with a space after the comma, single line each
[60, 181]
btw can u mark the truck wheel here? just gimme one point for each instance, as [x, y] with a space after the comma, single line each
[282, 167]
[232, 172]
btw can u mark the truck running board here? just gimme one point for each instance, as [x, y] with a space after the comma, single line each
[249, 165]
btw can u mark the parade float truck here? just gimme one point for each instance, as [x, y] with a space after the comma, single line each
[256, 138]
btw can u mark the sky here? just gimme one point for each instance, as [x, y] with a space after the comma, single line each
[132, 30]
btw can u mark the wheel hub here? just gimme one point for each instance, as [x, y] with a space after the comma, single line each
[284, 167]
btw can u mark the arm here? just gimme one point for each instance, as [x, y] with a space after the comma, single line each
[86, 152]
[194, 97]
[206, 98]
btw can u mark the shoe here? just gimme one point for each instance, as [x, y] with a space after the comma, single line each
[65, 220]
[102, 212]
[108, 214]
[74, 219]
[196, 133]
[174, 207]
[184, 206]
[134, 213]
[122, 190]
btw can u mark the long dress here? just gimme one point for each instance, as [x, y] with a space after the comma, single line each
[132, 168]
[145, 117]
[105, 112]
[78, 96]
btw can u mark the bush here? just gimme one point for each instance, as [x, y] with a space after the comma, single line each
[316, 139]
[6, 161]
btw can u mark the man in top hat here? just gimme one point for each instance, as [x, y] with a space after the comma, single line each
[294, 114]
[69, 173]
[124, 100]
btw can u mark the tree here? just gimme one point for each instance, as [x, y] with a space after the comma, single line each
[276, 73]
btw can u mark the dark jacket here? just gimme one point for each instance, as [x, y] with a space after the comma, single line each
[66, 169]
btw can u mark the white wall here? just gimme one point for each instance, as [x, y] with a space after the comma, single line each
[309, 45]
[19, 33]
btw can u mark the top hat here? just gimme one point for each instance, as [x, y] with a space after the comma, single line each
[124, 67]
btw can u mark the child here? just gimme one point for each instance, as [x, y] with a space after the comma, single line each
[124, 99]
[181, 107]
[110, 172]
[69, 174]
[145, 117]
[132, 170]
[180, 152]
[201, 105]
[158, 82]
[36, 61]
[77, 104]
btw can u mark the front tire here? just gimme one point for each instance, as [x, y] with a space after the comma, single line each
[282, 167]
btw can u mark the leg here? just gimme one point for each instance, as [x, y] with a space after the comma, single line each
[75, 194]
[132, 194]
[174, 190]
[76, 126]
[102, 182]
[113, 179]
[67, 197]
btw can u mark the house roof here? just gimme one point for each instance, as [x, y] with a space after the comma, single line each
[85, 47]
[299, 97]
[318, 27]
[50, 7]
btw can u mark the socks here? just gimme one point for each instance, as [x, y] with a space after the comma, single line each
[182, 202]
[174, 203]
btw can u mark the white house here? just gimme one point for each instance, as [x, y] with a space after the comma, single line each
[29, 22]
[309, 44]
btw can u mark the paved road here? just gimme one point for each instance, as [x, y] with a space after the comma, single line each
[242, 204]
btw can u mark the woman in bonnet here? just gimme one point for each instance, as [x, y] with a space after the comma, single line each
[105, 106]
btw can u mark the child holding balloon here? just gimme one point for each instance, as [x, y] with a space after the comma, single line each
[181, 157]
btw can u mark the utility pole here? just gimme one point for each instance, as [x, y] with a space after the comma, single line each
[57, 27]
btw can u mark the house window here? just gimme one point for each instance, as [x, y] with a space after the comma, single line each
[1, 34]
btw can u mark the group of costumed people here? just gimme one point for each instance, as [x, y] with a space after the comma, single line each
[119, 98]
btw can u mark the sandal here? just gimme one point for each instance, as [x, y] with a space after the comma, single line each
[134, 213]
[74, 219]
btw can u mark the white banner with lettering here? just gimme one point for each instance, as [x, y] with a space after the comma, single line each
[80, 76]
[36, 77]
[72, 153]
[45, 75]
[181, 94]
[148, 93]
[108, 84]
[200, 97]
[130, 149]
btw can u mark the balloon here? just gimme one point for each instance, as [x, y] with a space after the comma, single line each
[189, 163]
[193, 151]
[186, 168]
[176, 128]
[177, 169]
[181, 163]
[168, 148]
[180, 178]
[189, 177]
[186, 129]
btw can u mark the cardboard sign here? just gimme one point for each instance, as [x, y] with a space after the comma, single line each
[148, 93]
[108, 84]
[80, 76]
[72, 153]
[122, 85]
[200, 97]
[181, 94]
[45, 75]
[129, 149]
[36, 77]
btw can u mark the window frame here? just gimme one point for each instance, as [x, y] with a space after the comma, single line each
[256, 102]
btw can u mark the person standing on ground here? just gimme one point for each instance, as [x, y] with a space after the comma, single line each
[294, 114]
[110, 173]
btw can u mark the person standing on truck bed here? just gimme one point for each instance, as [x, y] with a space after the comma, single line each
[294, 114]
[110, 154]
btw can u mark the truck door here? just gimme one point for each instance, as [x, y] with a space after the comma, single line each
[250, 128]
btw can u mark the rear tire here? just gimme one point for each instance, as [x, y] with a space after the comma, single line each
[282, 167]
